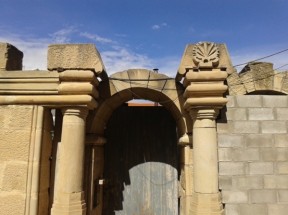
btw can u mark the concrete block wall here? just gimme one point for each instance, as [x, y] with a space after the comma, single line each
[253, 155]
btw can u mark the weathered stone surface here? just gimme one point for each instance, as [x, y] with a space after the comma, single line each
[225, 182]
[244, 127]
[236, 114]
[249, 101]
[231, 168]
[230, 140]
[282, 113]
[275, 181]
[10, 57]
[75, 56]
[247, 182]
[278, 209]
[253, 209]
[281, 140]
[15, 176]
[275, 101]
[283, 196]
[11, 204]
[282, 167]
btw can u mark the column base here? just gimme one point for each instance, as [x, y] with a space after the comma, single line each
[69, 204]
[206, 204]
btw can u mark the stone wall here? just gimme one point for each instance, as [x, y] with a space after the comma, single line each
[253, 155]
[21, 170]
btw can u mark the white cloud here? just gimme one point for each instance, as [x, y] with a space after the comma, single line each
[96, 38]
[63, 35]
[158, 26]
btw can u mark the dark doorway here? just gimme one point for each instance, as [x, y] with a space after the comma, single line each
[141, 160]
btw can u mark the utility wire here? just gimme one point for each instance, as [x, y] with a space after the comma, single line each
[276, 53]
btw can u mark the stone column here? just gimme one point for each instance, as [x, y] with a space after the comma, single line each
[68, 192]
[206, 198]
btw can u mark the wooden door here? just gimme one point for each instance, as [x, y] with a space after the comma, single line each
[141, 163]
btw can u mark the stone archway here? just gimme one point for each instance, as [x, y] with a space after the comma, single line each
[135, 84]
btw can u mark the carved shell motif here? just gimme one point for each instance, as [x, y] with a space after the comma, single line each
[206, 54]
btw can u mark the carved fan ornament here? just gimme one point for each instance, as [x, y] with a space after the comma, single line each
[206, 54]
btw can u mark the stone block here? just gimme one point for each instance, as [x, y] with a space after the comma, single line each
[234, 196]
[259, 140]
[281, 140]
[261, 168]
[273, 127]
[274, 101]
[12, 204]
[277, 209]
[275, 181]
[248, 182]
[244, 127]
[232, 168]
[236, 114]
[10, 57]
[260, 114]
[231, 101]
[15, 176]
[14, 144]
[282, 167]
[282, 113]
[227, 140]
[283, 196]
[268, 154]
[75, 56]
[225, 182]
[263, 196]
[253, 209]
[249, 101]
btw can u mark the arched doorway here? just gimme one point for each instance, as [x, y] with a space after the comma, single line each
[109, 121]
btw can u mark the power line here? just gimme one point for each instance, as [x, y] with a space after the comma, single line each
[276, 53]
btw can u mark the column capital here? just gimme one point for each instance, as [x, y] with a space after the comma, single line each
[210, 113]
[79, 111]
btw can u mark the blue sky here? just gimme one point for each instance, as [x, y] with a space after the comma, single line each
[146, 33]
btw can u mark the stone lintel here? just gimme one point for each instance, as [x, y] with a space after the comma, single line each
[75, 57]
[10, 57]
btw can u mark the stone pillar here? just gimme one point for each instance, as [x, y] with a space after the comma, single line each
[205, 87]
[68, 192]
[206, 198]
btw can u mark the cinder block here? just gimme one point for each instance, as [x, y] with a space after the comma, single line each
[281, 154]
[283, 196]
[277, 209]
[222, 128]
[261, 168]
[244, 127]
[225, 182]
[274, 101]
[227, 140]
[236, 114]
[273, 127]
[263, 196]
[259, 140]
[234, 196]
[247, 182]
[232, 168]
[282, 167]
[282, 113]
[247, 154]
[268, 154]
[276, 181]
[232, 209]
[253, 209]
[249, 101]
[260, 114]
[225, 154]
[231, 101]
[281, 140]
